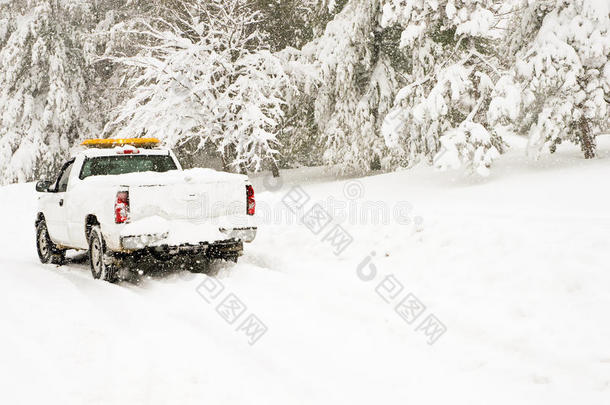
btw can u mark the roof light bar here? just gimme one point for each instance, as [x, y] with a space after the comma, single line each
[111, 143]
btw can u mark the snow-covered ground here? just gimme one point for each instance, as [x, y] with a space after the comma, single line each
[516, 266]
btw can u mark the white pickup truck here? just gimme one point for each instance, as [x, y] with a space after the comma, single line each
[118, 198]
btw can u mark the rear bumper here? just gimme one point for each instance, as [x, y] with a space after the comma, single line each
[218, 249]
[156, 241]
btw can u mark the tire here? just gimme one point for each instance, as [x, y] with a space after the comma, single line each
[102, 261]
[47, 251]
[199, 265]
[233, 257]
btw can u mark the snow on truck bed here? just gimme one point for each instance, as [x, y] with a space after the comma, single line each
[516, 266]
[172, 177]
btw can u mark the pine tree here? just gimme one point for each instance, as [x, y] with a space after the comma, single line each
[356, 84]
[440, 115]
[44, 103]
[555, 90]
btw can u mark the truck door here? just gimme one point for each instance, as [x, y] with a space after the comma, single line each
[55, 211]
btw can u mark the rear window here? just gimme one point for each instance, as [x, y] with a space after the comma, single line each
[109, 165]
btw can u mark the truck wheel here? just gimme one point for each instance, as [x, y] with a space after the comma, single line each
[102, 262]
[199, 265]
[47, 252]
[233, 257]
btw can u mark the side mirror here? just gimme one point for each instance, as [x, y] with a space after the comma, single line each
[43, 186]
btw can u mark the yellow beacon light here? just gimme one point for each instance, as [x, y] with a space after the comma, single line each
[111, 143]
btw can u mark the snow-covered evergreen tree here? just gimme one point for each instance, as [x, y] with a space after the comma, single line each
[555, 90]
[440, 115]
[298, 135]
[205, 72]
[356, 84]
[44, 102]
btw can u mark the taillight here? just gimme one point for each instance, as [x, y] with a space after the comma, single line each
[121, 207]
[250, 200]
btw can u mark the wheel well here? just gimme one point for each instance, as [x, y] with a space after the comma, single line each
[39, 218]
[90, 222]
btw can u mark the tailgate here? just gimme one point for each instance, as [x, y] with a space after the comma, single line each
[194, 202]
